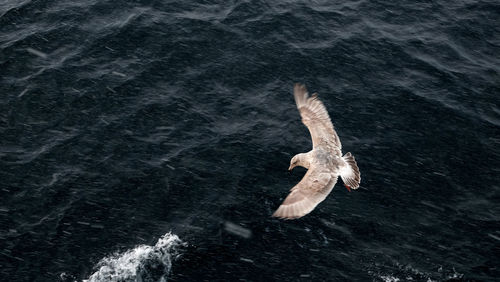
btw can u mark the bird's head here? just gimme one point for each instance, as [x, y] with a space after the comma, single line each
[294, 162]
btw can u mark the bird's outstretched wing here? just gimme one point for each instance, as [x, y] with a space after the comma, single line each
[315, 117]
[307, 194]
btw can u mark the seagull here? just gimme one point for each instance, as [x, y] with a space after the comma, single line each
[324, 163]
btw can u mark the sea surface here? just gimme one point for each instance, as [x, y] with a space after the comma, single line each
[150, 140]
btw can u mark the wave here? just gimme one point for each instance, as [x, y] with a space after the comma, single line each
[409, 273]
[143, 263]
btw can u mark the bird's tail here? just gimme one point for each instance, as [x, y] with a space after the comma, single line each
[350, 172]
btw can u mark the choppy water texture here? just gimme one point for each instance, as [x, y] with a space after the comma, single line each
[121, 121]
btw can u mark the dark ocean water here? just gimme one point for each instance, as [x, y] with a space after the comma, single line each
[122, 121]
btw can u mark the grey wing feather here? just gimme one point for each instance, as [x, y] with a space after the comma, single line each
[315, 117]
[307, 194]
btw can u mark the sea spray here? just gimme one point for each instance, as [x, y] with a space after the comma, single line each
[143, 263]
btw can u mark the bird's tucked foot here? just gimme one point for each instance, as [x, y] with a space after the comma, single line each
[348, 187]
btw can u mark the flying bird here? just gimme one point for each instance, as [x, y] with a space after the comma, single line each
[324, 162]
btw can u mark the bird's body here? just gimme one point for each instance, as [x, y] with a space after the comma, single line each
[324, 162]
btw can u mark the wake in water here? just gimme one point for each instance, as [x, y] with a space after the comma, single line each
[143, 263]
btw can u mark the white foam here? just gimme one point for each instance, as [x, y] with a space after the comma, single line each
[408, 273]
[143, 263]
[389, 278]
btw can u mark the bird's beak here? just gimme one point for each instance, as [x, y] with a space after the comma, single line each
[290, 168]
